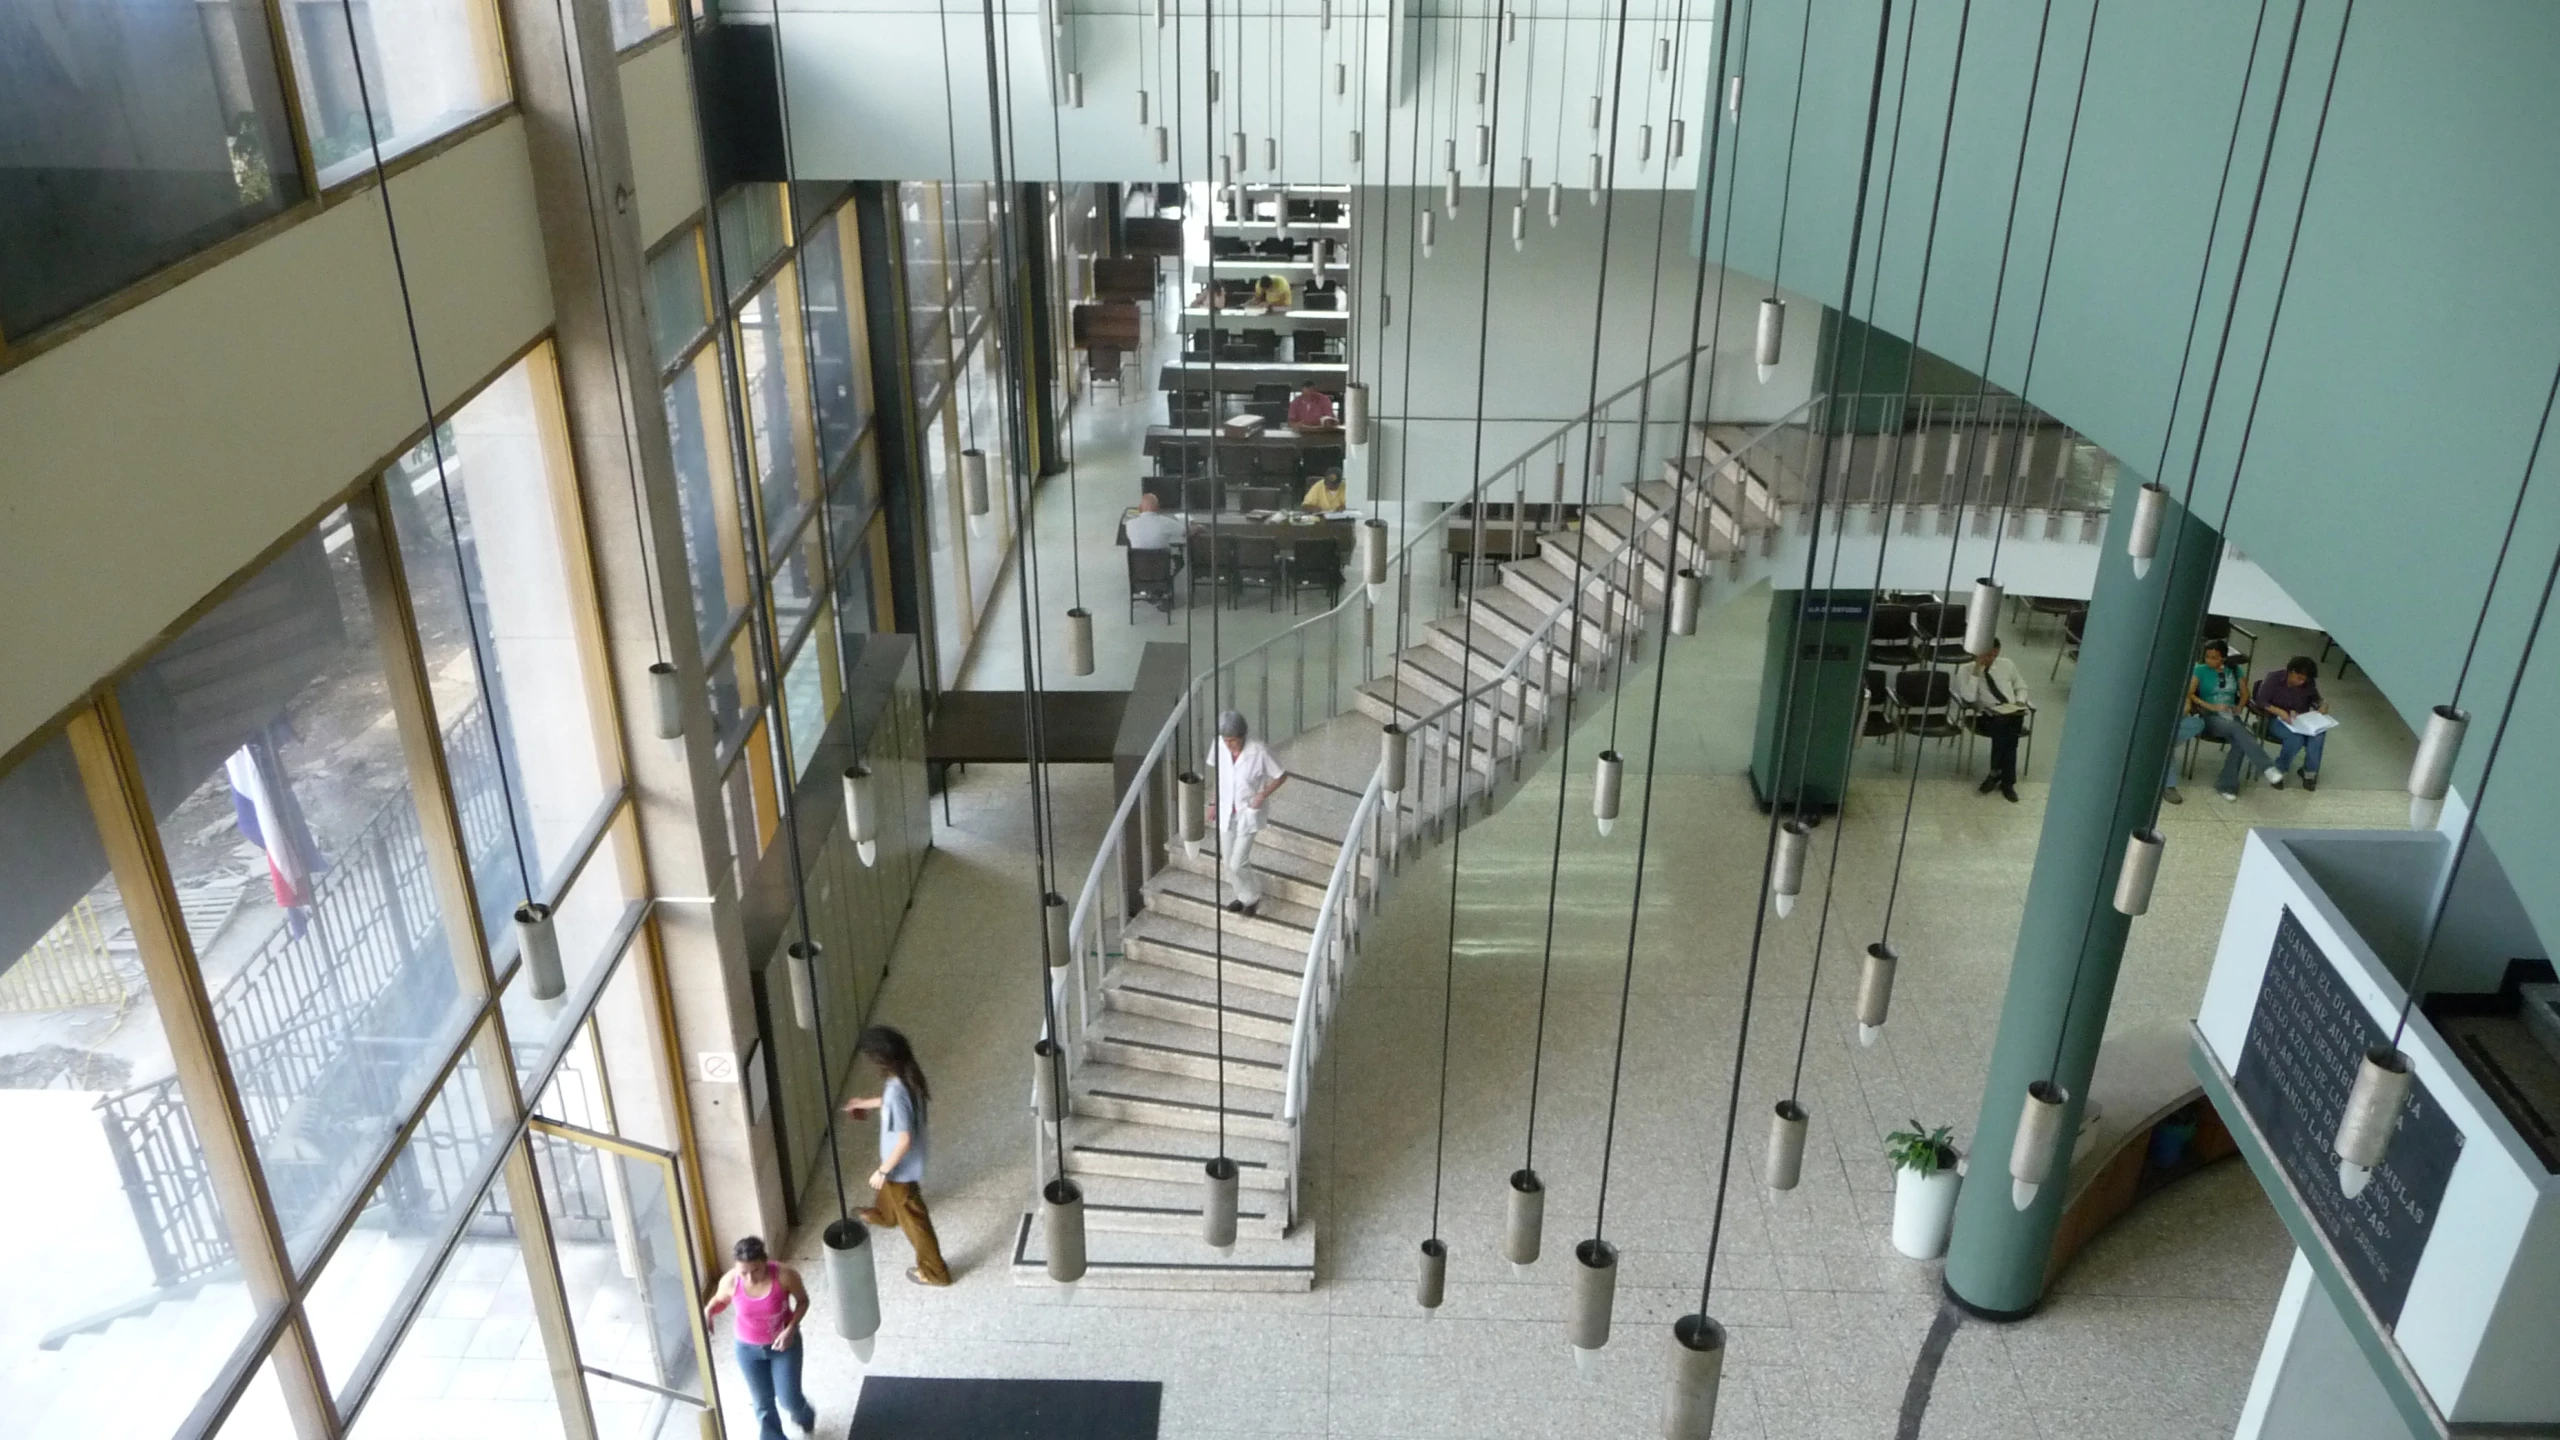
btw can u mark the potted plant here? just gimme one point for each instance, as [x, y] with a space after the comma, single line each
[1924, 1189]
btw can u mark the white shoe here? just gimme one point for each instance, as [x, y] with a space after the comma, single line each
[2228, 794]
[2275, 777]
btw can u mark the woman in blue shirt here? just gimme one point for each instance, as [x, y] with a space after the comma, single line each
[2213, 708]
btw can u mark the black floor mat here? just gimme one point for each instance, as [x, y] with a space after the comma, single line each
[899, 1407]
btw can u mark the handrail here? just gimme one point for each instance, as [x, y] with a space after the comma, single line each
[1328, 914]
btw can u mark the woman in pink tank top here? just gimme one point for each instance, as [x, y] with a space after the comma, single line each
[771, 1303]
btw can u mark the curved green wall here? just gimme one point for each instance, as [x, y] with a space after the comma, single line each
[2418, 334]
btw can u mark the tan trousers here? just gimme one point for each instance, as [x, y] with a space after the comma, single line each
[901, 1203]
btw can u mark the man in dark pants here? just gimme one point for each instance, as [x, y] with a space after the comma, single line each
[1996, 694]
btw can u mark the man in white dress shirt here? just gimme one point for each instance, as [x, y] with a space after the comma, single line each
[1247, 777]
[1996, 693]
[1152, 529]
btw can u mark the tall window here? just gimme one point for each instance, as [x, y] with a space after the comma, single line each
[131, 135]
[427, 66]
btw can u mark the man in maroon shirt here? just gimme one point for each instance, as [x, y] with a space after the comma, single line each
[1311, 409]
[2281, 696]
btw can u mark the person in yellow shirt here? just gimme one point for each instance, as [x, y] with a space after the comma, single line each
[1326, 495]
[1272, 292]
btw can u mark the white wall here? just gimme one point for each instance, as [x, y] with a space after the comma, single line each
[1537, 372]
[2313, 1382]
[666, 149]
[154, 457]
[867, 88]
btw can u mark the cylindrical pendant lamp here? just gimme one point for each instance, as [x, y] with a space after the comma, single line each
[2141, 868]
[1075, 89]
[1644, 145]
[1785, 1163]
[669, 698]
[1355, 411]
[1524, 180]
[1786, 876]
[1595, 112]
[1526, 1220]
[1431, 1274]
[1595, 1296]
[1079, 641]
[1595, 177]
[2373, 1111]
[1875, 990]
[800, 968]
[1772, 339]
[973, 482]
[1062, 1229]
[1484, 145]
[1519, 227]
[1982, 617]
[1341, 78]
[1608, 774]
[1688, 589]
[1164, 146]
[1218, 1204]
[1271, 163]
[2150, 512]
[2038, 1142]
[1679, 137]
[855, 1284]
[1555, 203]
[1733, 97]
[1662, 54]
[1044, 1080]
[1393, 750]
[539, 944]
[1449, 191]
[2431, 773]
[1697, 1374]
[861, 815]
[1145, 110]
[1355, 147]
[1192, 800]
[1055, 911]
[1373, 558]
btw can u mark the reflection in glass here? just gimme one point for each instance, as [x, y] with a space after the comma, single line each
[835, 356]
[590, 920]
[501, 535]
[768, 342]
[697, 427]
[799, 580]
[404, 1225]
[473, 1363]
[636, 20]
[429, 66]
[271, 757]
[619, 1235]
[751, 233]
[679, 301]
[136, 135]
[731, 677]
[259, 1413]
[115, 1258]
[809, 694]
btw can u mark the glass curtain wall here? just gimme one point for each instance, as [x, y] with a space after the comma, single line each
[783, 548]
[957, 359]
[135, 135]
[262, 1014]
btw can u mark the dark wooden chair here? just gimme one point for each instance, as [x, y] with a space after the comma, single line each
[1924, 706]
[1151, 582]
[1315, 564]
[1257, 562]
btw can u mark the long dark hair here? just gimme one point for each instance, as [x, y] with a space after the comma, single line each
[887, 1048]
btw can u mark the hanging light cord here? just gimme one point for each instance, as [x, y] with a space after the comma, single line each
[1417, 201]
[1919, 306]
[2497, 742]
[435, 444]
[1813, 549]
[1067, 430]
[2212, 394]
[1217, 646]
[2488, 593]
[1573, 657]
[1466, 693]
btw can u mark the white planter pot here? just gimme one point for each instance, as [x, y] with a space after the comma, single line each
[1923, 1207]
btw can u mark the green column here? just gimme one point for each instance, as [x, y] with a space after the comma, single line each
[1807, 768]
[2113, 753]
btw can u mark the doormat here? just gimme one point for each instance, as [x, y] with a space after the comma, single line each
[900, 1407]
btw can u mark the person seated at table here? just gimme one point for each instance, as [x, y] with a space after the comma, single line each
[1152, 529]
[1311, 408]
[1272, 292]
[1326, 495]
[1212, 296]
[2284, 696]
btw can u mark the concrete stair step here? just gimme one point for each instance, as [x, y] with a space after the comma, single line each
[1285, 875]
[1182, 1101]
[1185, 895]
[1118, 1260]
[1180, 996]
[1173, 1155]
[1132, 1206]
[1160, 939]
[1147, 1042]
[1426, 667]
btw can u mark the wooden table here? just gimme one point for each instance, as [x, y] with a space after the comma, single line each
[985, 727]
[1163, 438]
[1241, 377]
[1246, 267]
[1232, 525]
[1246, 317]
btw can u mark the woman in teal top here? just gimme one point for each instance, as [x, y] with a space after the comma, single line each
[2213, 708]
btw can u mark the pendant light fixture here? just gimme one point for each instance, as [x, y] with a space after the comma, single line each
[1079, 641]
[666, 696]
[1733, 98]
[1357, 157]
[1555, 203]
[2431, 772]
[1688, 592]
[1595, 1299]
[539, 945]
[1144, 115]
[1644, 145]
[2140, 869]
[1982, 617]
[1355, 411]
[973, 487]
[1164, 146]
[1875, 989]
[1784, 1164]
[1519, 227]
[1394, 760]
[1595, 177]
[2372, 1112]
[1449, 192]
[1075, 89]
[1045, 1104]
[861, 813]
[1679, 145]
[1524, 180]
[2142, 542]
[1786, 878]
[1771, 341]
[2038, 1142]
[1373, 558]
[1430, 230]
[1608, 775]
[1191, 800]
[800, 969]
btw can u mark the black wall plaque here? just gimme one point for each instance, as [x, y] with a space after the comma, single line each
[2305, 1040]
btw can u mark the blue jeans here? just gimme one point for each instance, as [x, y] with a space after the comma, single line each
[2239, 747]
[2306, 746]
[776, 1373]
